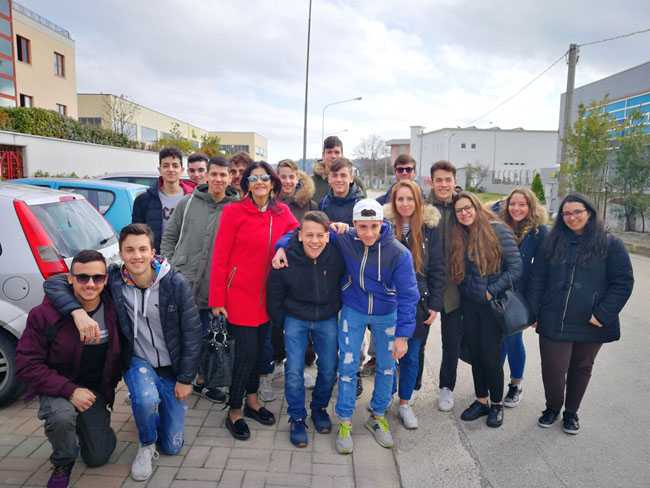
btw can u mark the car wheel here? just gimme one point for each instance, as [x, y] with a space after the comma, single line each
[9, 385]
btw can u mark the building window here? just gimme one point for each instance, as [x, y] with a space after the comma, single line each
[463, 146]
[4, 8]
[62, 109]
[6, 48]
[7, 67]
[92, 121]
[5, 27]
[234, 148]
[59, 65]
[148, 135]
[7, 87]
[26, 100]
[473, 146]
[24, 49]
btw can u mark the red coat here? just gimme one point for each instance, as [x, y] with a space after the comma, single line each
[241, 259]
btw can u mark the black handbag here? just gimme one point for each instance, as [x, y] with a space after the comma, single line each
[511, 312]
[219, 357]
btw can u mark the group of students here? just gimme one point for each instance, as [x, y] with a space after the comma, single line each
[306, 267]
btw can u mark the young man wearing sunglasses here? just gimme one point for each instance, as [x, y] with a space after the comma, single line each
[49, 357]
[161, 346]
[404, 167]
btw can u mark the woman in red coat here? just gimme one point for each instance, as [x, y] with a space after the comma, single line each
[241, 262]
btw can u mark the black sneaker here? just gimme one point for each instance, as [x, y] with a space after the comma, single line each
[570, 423]
[215, 395]
[359, 385]
[474, 411]
[495, 417]
[238, 429]
[513, 397]
[548, 418]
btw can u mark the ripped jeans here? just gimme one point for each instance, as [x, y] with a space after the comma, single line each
[159, 416]
[352, 325]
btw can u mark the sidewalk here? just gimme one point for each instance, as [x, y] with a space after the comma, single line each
[210, 457]
[636, 242]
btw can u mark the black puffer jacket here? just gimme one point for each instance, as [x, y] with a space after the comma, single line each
[309, 289]
[474, 285]
[431, 282]
[564, 295]
[178, 315]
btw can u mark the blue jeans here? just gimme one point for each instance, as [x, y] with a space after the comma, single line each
[158, 415]
[352, 325]
[324, 336]
[409, 368]
[513, 347]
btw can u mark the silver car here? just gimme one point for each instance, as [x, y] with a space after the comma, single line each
[41, 231]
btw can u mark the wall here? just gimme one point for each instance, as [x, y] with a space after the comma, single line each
[37, 78]
[59, 156]
[250, 139]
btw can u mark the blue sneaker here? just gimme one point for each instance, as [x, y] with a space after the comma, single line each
[321, 419]
[298, 433]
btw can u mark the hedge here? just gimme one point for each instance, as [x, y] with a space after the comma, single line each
[47, 123]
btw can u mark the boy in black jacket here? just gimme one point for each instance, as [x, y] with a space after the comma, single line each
[305, 299]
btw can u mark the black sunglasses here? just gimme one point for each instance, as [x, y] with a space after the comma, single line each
[254, 178]
[405, 169]
[84, 278]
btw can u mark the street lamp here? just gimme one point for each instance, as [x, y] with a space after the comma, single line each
[304, 127]
[322, 131]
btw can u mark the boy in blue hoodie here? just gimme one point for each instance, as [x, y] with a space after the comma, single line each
[379, 289]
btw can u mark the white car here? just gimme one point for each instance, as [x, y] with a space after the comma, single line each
[42, 230]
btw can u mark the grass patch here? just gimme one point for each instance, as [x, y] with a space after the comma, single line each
[489, 197]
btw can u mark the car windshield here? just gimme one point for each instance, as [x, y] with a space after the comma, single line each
[74, 225]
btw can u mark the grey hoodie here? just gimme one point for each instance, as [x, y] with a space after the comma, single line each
[142, 307]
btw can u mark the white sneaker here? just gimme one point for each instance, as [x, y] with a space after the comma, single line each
[446, 400]
[407, 416]
[310, 381]
[265, 391]
[141, 468]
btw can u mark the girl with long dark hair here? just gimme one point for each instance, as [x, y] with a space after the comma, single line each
[485, 262]
[241, 262]
[582, 278]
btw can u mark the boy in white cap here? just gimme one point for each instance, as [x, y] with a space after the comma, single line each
[379, 290]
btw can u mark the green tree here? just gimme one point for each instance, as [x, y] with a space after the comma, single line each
[175, 139]
[537, 188]
[631, 175]
[588, 143]
[211, 146]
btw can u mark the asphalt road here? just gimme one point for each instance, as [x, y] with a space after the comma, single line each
[612, 449]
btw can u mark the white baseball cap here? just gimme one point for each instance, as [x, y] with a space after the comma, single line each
[368, 209]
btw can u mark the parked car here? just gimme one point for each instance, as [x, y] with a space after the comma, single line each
[42, 230]
[113, 199]
[147, 178]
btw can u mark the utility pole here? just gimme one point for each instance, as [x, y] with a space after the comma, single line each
[572, 60]
[304, 130]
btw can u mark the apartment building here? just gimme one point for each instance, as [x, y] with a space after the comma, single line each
[37, 61]
[146, 125]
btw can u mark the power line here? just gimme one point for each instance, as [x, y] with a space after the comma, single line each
[622, 36]
[502, 103]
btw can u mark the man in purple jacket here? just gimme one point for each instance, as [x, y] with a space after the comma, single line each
[74, 400]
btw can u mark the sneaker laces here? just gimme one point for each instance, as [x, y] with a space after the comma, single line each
[383, 423]
[298, 422]
[147, 449]
[345, 430]
[512, 390]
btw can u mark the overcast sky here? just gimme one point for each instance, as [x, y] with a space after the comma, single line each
[235, 65]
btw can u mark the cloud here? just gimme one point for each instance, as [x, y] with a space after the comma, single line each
[230, 65]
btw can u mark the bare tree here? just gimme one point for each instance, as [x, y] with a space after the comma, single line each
[371, 151]
[120, 115]
[475, 175]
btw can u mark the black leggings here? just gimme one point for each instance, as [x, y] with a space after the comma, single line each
[249, 343]
[483, 336]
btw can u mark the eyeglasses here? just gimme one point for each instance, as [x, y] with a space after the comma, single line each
[467, 209]
[255, 178]
[404, 170]
[84, 278]
[573, 213]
